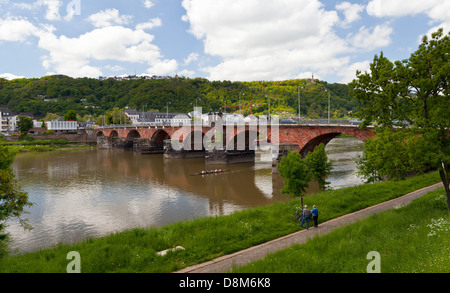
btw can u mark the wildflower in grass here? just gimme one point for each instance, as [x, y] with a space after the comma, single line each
[437, 226]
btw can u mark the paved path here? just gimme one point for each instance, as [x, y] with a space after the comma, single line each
[227, 262]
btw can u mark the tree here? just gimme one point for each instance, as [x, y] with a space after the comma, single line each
[13, 200]
[319, 165]
[51, 117]
[415, 90]
[24, 124]
[71, 115]
[297, 173]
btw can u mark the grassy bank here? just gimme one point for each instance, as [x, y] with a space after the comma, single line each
[206, 238]
[411, 239]
[45, 145]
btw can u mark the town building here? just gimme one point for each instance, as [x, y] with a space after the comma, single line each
[157, 118]
[5, 121]
[62, 126]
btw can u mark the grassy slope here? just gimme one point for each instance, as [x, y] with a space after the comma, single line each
[409, 239]
[206, 238]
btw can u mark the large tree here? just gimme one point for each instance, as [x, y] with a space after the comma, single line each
[298, 172]
[13, 200]
[411, 92]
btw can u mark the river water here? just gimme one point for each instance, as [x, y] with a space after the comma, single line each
[92, 193]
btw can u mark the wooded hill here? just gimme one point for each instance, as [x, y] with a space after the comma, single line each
[59, 94]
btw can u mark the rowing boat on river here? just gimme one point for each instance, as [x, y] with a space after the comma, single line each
[209, 172]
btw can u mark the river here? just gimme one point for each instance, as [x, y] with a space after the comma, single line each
[92, 193]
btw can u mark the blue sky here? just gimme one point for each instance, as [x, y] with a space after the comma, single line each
[238, 40]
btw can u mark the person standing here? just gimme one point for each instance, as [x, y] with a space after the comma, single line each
[315, 216]
[306, 217]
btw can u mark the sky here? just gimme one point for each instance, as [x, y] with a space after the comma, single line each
[236, 40]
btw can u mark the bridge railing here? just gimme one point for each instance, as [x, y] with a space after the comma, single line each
[280, 122]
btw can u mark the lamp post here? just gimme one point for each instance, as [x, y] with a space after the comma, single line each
[240, 107]
[269, 106]
[329, 106]
[299, 115]
[167, 109]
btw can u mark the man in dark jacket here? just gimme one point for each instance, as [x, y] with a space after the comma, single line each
[315, 216]
[306, 217]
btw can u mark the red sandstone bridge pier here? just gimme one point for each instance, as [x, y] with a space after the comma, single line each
[230, 144]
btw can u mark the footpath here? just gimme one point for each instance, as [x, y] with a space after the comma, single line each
[226, 263]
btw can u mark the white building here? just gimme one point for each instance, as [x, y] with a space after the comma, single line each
[5, 121]
[62, 126]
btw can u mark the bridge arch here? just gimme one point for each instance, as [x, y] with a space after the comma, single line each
[311, 145]
[243, 141]
[191, 143]
[326, 136]
[133, 134]
[100, 133]
[113, 135]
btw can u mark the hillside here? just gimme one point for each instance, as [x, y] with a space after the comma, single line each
[59, 94]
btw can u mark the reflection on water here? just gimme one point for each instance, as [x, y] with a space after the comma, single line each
[82, 194]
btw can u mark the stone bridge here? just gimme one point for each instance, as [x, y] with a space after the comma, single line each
[223, 143]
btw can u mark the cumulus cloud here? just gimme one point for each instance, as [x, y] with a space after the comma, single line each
[148, 4]
[276, 40]
[18, 29]
[154, 22]
[351, 12]
[10, 76]
[348, 73]
[438, 11]
[379, 36]
[191, 58]
[73, 56]
[109, 17]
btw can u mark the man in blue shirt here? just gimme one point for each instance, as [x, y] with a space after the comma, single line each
[315, 213]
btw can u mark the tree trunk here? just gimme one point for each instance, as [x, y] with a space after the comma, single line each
[445, 180]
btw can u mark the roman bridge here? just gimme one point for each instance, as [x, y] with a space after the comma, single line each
[223, 144]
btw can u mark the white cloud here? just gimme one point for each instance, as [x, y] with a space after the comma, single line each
[154, 22]
[397, 8]
[351, 12]
[10, 76]
[380, 36]
[52, 8]
[148, 4]
[437, 10]
[114, 67]
[16, 29]
[191, 58]
[109, 17]
[73, 56]
[349, 73]
[277, 40]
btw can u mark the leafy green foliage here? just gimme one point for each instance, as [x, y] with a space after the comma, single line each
[71, 115]
[59, 94]
[12, 199]
[319, 165]
[24, 124]
[413, 90]
[297, 172]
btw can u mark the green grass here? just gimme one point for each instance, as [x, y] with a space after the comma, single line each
[207, 238]
[411, 239]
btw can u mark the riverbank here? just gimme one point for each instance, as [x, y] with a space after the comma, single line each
[47, 145]
[207, 238]
[404, 242]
